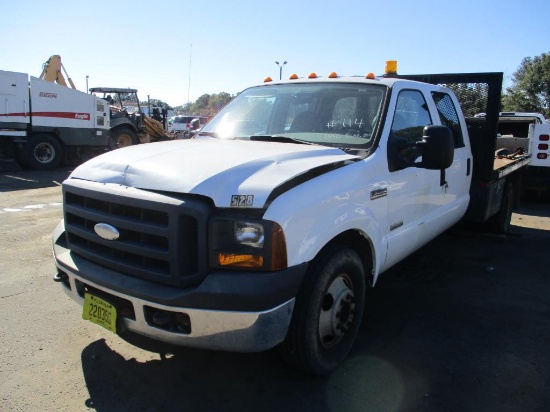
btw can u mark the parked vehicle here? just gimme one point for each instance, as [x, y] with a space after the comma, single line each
[267, 228]
[528, 133]
[43, 123]
[129, 124]
[181, 124]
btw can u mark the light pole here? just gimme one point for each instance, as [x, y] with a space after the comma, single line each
[281, 69]
[87, 77]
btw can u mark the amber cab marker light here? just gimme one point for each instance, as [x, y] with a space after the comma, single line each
[268, 79]
[370, 76]
[312, 75]
[333, 75]
[293, 76]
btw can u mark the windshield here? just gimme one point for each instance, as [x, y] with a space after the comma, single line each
[333, 114]
[126, 101]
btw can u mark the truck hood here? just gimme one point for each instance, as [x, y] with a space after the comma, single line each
[217, 168]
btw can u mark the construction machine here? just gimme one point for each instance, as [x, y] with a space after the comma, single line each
[43, 123]
[129, 125]
[51, 72]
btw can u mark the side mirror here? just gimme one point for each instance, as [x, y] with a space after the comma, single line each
[437, 148]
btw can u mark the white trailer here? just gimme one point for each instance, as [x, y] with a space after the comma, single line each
[43, 123]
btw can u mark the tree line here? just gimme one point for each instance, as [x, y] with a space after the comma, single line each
[206, 105]
[530, 91]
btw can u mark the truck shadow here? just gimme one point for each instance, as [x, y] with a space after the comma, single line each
[195, 380]
[452, 327]
[32, 179]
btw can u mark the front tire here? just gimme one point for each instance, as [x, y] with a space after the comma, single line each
[328, 312]
[43, 152]
[122, 137]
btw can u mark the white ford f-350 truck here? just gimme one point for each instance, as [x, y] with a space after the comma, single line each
[267, 228]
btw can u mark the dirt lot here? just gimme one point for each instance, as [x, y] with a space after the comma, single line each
[462, 325]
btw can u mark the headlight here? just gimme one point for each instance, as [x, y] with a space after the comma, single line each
[249, 234]
[247, 243]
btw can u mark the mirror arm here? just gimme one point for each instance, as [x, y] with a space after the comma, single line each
[442, 179]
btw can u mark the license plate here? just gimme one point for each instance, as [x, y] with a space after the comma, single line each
[100, 312]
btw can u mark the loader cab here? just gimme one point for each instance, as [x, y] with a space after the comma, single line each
[124, 105]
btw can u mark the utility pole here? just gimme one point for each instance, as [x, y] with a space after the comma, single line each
[189, 80]
[281, 69]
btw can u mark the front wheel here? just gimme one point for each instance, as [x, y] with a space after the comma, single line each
[122, 137]
[327, 313]
[42, 152]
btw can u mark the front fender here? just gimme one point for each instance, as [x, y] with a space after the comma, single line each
[319, 210]
[120, 121]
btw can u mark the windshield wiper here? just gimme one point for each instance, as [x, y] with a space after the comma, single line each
[279, 139]
[211, 134]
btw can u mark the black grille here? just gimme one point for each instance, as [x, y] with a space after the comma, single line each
[159, 235]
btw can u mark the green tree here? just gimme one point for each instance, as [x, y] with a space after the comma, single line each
[530, 91]
[155, 103]
[206, 105]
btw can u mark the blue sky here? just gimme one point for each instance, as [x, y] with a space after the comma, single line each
[180, 50]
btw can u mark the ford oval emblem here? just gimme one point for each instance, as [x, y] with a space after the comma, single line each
[106, 231]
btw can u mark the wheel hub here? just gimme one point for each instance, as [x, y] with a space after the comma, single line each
[124, 140]
[44, 152]
[337, 312]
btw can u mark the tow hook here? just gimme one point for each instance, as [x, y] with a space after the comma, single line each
[60, 277]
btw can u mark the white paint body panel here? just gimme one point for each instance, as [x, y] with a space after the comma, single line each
[535, 131]
[59, 106]
[53, 105]
[14, 97]
[210, 167]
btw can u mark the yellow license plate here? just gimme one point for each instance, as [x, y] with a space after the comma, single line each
[100, 312]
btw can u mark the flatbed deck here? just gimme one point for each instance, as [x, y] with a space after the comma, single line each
[504, 165]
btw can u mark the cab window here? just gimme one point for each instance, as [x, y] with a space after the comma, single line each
[448, 116]
[410, 118]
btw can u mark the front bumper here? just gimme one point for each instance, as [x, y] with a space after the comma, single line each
[213, 328]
